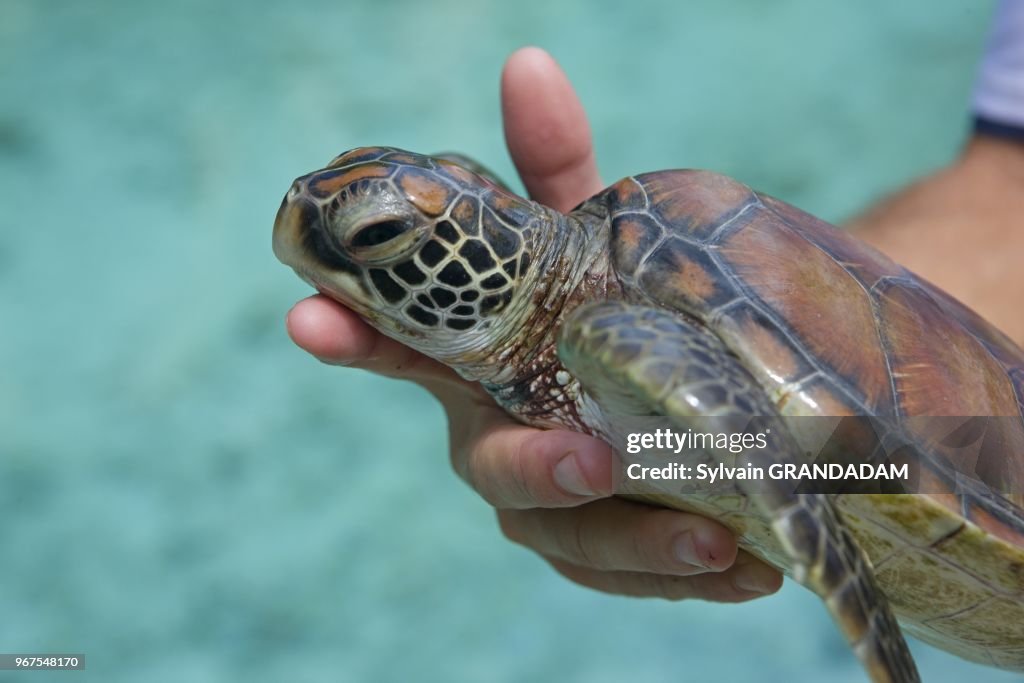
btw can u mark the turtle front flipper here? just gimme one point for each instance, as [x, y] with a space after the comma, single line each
[643, 360]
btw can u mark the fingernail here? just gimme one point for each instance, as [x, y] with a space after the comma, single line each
[755, 578]
[685, 551]
[342, 363]
[569, 477]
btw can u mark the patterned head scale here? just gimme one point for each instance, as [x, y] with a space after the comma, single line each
[427, 251]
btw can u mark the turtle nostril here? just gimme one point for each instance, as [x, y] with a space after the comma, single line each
[378, 233]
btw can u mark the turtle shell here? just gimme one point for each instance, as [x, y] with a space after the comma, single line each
[830, 327]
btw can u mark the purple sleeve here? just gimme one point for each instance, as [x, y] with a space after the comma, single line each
[998, 100]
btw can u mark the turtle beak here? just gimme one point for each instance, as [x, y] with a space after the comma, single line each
[299, 242]
[294, 218]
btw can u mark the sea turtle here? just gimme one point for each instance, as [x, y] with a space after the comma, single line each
[688, 295]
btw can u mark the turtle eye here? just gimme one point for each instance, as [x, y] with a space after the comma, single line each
[384, 240]
[377, 234]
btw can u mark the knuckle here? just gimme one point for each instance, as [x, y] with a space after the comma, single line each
[672, 588]
[657, 528]
[465, 461]
[642, 547]
[517, 480]
[568, 570]
[651, 542]
[463, 445]
[511, 526]
[718, 588]
[581, 543]
[496, 472]
[475, 460]
[498, 467]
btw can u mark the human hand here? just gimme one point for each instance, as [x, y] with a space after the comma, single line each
[552, 489]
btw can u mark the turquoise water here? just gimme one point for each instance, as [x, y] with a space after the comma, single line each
[184, 496]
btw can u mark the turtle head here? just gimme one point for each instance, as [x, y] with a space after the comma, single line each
[428, 252]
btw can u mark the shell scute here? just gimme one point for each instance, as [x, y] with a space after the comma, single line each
[633, 238]
[821, 304]
[930, 589]
[997, 343]
[864, 263]
[695, 203]
[627, 195]
[947, 371]
[992, 620]
[754, 335]
[684, 277]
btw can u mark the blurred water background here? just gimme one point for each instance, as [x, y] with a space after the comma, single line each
[186, 497]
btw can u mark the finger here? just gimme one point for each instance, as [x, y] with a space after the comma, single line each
[620, 535]
[514, 466]
[728, 586]
[336, 335]
[546, 130]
